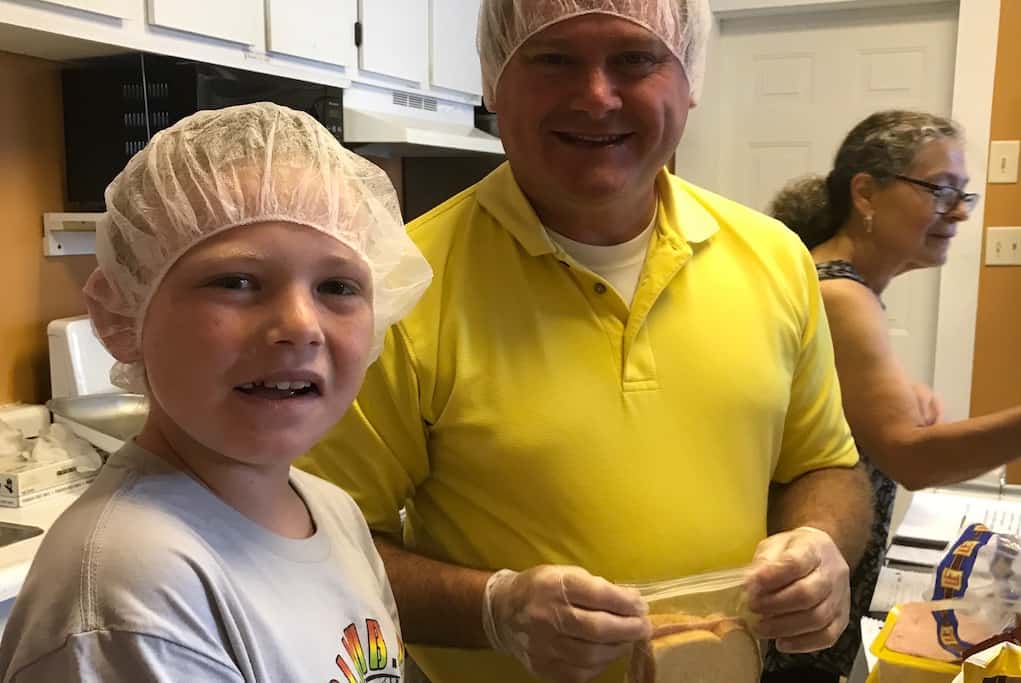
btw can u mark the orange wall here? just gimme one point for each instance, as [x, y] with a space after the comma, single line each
[996, 381]
[33, 289]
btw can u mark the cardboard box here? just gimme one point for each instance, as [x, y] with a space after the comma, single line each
[30, 481]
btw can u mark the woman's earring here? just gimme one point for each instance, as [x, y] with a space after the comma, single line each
[868, 223]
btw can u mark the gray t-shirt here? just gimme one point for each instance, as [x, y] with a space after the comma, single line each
[148, 576]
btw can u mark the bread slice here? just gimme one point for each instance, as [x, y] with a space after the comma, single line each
[688, 649]
[665, 624]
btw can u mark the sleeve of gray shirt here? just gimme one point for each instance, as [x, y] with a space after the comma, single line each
[125, 657]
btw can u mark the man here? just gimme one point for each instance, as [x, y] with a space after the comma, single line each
[614, 374]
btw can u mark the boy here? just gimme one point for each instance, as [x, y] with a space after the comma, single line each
[249, 267]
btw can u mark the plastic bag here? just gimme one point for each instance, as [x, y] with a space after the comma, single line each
[702, 627]
[717, 593]
[979, 579]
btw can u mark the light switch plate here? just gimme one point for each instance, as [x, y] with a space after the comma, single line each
[1003, 247]
[1003, 160]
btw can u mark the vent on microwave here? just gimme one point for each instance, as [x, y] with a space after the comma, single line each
[403, 99]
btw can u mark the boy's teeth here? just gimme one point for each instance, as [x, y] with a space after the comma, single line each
[289, 386]
[280, 386]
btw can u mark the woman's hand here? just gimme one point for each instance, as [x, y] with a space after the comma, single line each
[929, 405]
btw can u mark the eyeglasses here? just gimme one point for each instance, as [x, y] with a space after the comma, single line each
[946, 197]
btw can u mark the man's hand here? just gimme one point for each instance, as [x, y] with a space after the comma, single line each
[799, 584]
[562, 623]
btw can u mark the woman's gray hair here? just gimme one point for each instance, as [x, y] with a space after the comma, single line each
[884, 145]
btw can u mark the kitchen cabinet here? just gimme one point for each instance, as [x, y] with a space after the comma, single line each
[417, 48]
[238, 21]
[395, 39]
[321, 30]
[119, 9]
[454, 63]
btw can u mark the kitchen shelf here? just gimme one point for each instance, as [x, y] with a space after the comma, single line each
[69, 234]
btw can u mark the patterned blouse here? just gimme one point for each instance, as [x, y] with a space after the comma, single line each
[840, 658]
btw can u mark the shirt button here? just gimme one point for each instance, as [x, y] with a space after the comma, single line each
[600, 288]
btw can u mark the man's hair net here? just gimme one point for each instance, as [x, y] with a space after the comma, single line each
[221, 169]
[504, 25]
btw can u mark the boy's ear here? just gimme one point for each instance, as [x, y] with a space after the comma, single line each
[115, 331]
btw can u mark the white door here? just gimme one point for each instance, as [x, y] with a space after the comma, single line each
[322, 30]
[395, 39]
[238, 21]
[455, 59]
[121, 9]
[793, 85]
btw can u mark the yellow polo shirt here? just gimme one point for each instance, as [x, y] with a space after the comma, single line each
[526, 415]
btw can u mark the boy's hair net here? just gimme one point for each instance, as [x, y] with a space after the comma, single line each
[504, 25]
[217, 170]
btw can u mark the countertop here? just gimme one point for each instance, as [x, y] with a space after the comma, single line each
[16, 559]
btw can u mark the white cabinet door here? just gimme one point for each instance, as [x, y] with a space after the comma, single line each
[234, 20]
[455, 59]
[121, 9]
[395, 39]
[322, 30]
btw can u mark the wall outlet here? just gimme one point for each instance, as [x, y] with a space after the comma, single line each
[1003, 247]
[1003, 161]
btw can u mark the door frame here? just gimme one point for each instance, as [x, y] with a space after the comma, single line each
[974, 69]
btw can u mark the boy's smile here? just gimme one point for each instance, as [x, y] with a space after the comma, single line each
[284, 384]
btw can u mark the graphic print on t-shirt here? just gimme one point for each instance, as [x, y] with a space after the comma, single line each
[370, 660]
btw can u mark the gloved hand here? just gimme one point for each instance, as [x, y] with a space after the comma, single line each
[562, 623]
[800, 584]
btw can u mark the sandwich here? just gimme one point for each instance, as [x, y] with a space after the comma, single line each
[696, 649]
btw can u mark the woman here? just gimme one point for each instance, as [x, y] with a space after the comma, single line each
[891, 204]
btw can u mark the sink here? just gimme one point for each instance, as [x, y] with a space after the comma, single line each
[105, 420]
[12, 533]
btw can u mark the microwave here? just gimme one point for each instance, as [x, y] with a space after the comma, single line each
[114, 105]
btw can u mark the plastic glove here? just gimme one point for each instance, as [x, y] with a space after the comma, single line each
[562, 623]
[800, 584]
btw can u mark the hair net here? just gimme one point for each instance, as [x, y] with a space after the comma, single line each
[504, 25]
[221, 169]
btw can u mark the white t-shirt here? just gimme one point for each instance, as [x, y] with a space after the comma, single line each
[149, 576]
[619, 264]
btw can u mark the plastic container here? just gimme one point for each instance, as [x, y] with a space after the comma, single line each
[1002, 662]
[896, 667]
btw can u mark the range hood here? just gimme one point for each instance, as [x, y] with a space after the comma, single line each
[382, 122]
